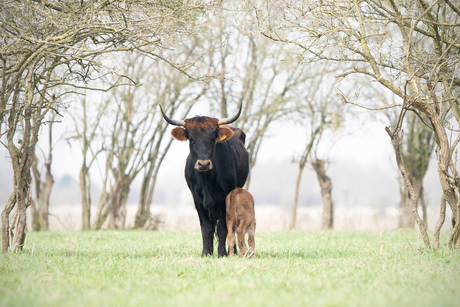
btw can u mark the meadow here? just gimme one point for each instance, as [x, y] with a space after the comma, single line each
[292, 268]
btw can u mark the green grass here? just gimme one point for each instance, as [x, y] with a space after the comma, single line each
[296, 268]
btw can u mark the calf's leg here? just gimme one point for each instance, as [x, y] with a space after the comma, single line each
[241, 232]
[231, 243]
[251, 241]
[231, 234]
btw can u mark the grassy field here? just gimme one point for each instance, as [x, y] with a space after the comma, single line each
[292, 268]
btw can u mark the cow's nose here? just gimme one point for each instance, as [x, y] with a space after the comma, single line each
[203, 165]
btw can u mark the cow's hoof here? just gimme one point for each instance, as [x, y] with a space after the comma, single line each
[206, 254]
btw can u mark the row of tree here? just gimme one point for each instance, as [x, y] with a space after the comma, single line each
[124, 134]
[410, 49]
[51, 49]
[279, 59]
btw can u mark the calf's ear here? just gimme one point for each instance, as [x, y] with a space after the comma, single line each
[224, 133]
[179, 134]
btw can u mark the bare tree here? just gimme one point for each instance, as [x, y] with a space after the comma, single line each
[319, 112]
[177, 94]
[86, 116]
[47, 44]
[410, 48]
[133, 132]
[314, 135]
[253, 71]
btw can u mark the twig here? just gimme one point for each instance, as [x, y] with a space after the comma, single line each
[346, 100]
[249, 250]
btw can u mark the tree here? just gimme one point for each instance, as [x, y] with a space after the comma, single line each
[177, 94]
[49, 44]
[319, 112]
[87, 116]
[124, 134]
[254, 71]
[410, 48]
[134, 129]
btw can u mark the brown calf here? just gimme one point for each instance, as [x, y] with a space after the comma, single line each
[240, 219]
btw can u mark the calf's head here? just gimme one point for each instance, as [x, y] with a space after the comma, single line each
[203, 134]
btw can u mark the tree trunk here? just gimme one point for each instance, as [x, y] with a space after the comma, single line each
[22, 179]
[423, 205]
[406, 219]
[326, 193]
[40, 211]
[35, 217]
[302, 162]
[85, 200]
[34, 206]
[296, 197]
[20, 220]
[117, 216]
[143, 209]
[454, 241]
[6, 222]
[22, 159]
[403, 172]
[444, 155]
[442, 217]
[44, 200]
[103, 209]
[115, 205]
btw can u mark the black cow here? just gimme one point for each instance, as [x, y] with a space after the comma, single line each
[218, 163]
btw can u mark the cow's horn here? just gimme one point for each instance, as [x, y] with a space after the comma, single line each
[225, 121]
[174, 122]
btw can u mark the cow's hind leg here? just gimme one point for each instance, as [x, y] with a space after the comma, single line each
[222, 235]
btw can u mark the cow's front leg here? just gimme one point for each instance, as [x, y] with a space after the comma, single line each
[207, 226]
[207, 233]
[222, 235]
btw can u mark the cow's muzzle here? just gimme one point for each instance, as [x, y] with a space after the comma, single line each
[203, 165]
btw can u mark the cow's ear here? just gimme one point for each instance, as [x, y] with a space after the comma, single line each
[224, 133]
[179, 134]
